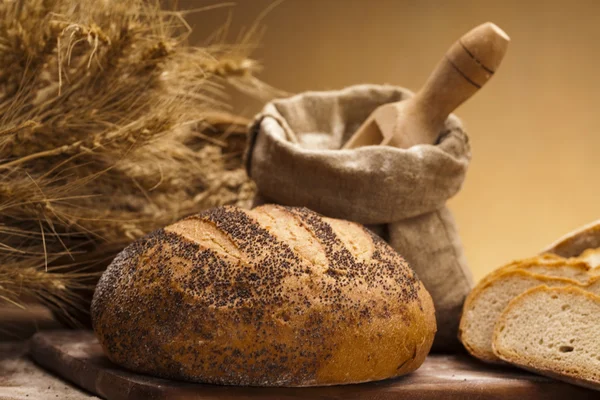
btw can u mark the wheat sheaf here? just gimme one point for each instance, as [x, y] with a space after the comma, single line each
[110, 127]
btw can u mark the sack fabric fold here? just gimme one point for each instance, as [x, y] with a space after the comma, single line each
[294, 155]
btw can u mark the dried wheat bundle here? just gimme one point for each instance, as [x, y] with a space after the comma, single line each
[105, 135]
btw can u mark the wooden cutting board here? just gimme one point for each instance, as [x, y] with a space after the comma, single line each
[77, 357]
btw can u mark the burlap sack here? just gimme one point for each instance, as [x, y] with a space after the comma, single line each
[294, 158]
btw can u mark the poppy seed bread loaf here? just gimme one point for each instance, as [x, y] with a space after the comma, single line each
[275, 296]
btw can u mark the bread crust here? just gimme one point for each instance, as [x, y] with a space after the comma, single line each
[267, 297]
[576, 242]
[537, 365]
[547, 260]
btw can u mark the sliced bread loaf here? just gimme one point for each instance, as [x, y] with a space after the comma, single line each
[487, 301]
[552, 331]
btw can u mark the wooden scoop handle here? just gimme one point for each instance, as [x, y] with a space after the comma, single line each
[466, 67]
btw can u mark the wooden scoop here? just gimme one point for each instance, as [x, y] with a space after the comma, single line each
[467, 66]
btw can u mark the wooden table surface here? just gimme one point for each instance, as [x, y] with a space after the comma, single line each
[20, 377]
[77, 357]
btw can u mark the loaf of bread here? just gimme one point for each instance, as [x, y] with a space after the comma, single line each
[554, 332]
[275, 296]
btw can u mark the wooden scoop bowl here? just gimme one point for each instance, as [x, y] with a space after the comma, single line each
[467, 65]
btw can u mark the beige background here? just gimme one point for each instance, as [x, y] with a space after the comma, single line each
[535, 173]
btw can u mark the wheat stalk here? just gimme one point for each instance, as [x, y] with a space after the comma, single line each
[110, 127]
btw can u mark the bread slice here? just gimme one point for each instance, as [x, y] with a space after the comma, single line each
[487, 301]
[476, 338]
[554, 332]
